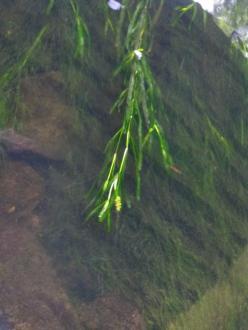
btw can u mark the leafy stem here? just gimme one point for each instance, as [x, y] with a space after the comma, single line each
[139, 102]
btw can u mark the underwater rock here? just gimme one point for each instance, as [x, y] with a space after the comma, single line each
[50, 121]
[17, 144]
[21, 190]
[111, 313]
[14, 142]
[31, 294]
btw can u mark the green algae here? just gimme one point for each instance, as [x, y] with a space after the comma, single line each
[222, 307]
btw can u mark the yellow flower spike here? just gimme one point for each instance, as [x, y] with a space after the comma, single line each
[118, 204]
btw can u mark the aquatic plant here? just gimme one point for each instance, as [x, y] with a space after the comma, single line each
[17, 69]
[9, 81]
[139, 102]
[81, 31]
[190, 9]
[240, 44]
[219, 137]
[50, 6]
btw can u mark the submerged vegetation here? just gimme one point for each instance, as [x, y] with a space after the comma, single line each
[178, 101]
[9, 81]
[139, 103]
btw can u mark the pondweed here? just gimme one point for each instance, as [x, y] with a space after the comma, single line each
[50, 6]
[16, 70]
[191, 8]
[81, 31]
[9, 81]
[139, 102]
[219, 137]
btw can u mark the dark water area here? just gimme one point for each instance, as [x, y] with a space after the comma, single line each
[167, 257]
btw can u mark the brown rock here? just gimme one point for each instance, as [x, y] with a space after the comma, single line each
[31, 294]
[111, 313]
[50, 122]
[18, 144]
[14, 142]
[21, 190]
